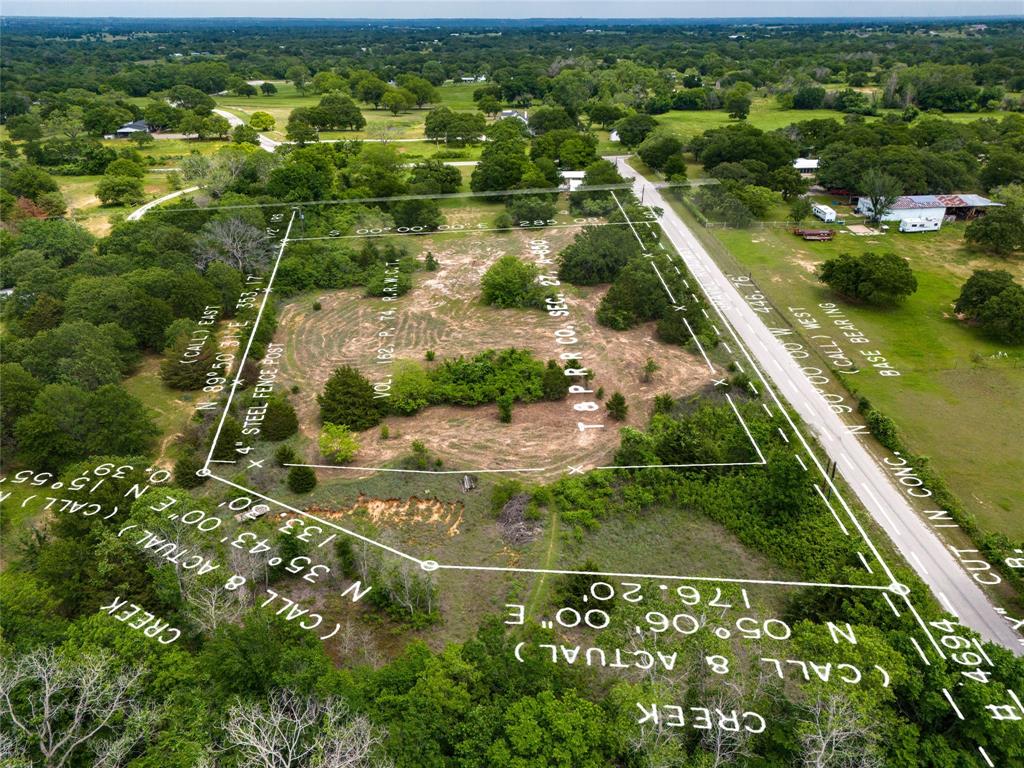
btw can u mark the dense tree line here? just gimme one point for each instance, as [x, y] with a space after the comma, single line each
[669, 66]
[473, 704]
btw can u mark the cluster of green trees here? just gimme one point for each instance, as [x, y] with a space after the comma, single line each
[80, 315]
[503, 163]
[874, 278]
[456, 129]
[640, 66]
[28, 192]
[880, 160]
[754, 168]
[333, 265]
[335, 112]
[493, 376]
[992, 299]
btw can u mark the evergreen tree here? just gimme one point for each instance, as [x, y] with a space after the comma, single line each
[555, 382]
[616, 406]
[230, 434]
[280, 421]
[185, 470]
[301, 479]
[348, 399]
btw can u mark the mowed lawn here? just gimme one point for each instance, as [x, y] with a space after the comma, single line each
[958, 400]
[766, 114]
[380, 123]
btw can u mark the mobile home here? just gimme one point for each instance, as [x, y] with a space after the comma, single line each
[920, 224]
[823, 212]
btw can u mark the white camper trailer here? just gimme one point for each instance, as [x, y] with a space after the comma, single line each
[920, 224]
[823, 212]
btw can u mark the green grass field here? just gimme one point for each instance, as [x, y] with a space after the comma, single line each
[170, 409]
[958, 398]
[766, 114]
[166, 153]
[83, 205]
[380, 123]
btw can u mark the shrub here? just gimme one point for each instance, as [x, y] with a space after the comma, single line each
[185, 470]
[883, 428]
[285, 454]
[504, 490]
[411, 388]
[301, 479]
[419, 458]
[617, 407]
[230, 434]
[555, 383]
[382, 280]
[504, 220]
[505, 409]
[511, 283]
[337, 442]
[664, 403]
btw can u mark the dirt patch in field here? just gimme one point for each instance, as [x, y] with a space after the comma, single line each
[443, 314]
[441, 516]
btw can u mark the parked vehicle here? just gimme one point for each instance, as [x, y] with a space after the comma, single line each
[823, 212]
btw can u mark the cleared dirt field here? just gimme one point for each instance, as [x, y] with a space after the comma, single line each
[443, 313]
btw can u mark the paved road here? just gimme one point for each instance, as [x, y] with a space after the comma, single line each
[923, 550]
[141, 211]
[265, 143]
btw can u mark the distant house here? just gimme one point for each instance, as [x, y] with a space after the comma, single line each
[522, 116]
[930, 208]
[807, 166]
[571, 180]
[137, 126]
[474, 79]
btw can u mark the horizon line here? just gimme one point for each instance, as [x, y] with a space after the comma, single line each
[489, 19]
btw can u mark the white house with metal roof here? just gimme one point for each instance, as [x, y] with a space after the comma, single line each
[806, 166]
[929, 208]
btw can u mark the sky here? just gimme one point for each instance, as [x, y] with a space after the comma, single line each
[406, 9]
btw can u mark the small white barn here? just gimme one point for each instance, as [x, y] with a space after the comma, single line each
[806, 166]
[571, 180]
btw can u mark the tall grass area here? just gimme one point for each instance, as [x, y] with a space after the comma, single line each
[958, 397]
